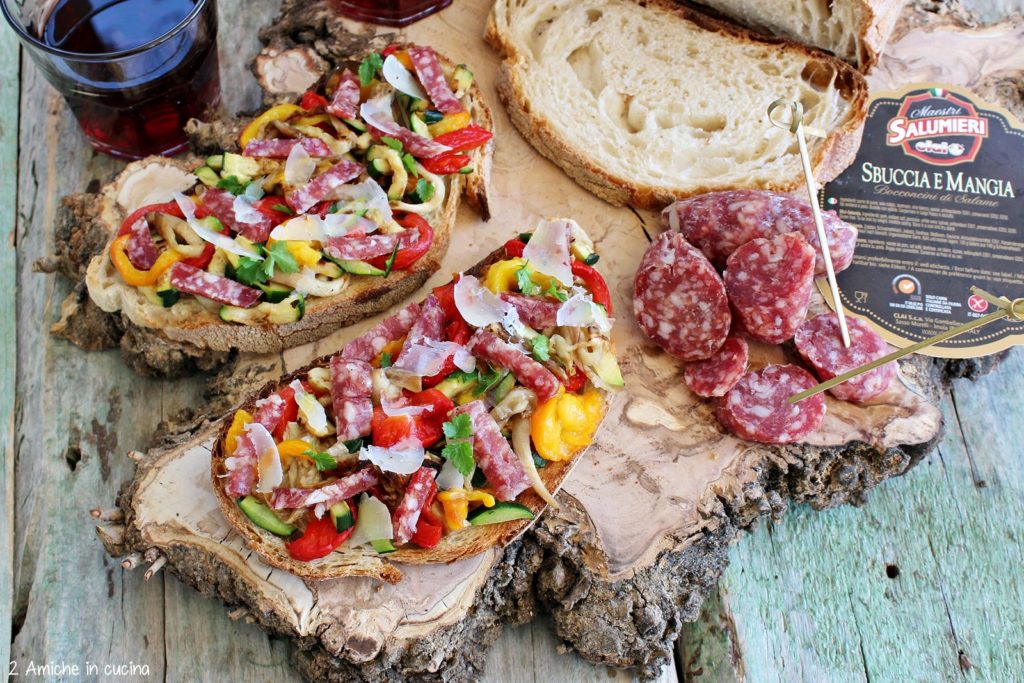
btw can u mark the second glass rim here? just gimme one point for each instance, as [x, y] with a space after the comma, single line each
[34, 42]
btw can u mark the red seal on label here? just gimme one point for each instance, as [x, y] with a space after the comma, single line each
[977, 304]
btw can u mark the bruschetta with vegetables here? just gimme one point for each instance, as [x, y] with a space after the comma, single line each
[331, 209]
[441, 432]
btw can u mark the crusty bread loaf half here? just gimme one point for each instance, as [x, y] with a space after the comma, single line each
[364, 561]
[853, 30]
[193, 322]
[646, 102]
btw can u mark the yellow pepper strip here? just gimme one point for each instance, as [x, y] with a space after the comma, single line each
[278, 113]
[449, 123]
[403, 57]
[314, 120]
[393, 348]
[302, 250]
[456, 506]
[294, 448]
[501, 276]
[132, 275]
[563, 425]
[241, 419]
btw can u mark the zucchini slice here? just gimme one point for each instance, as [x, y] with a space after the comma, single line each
[501, 512]
[263, 517]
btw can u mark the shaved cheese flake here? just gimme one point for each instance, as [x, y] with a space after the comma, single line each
[398, 409]
[405, 457]
[481, 307]
[401, 79]
[218, 239]
[312, 228]
[449, 477]
[338, 224]
[377, 112]
[311, 413]
[579, 310]
[373, 522]
[548, 250]
[426, 357]
[271, 474]
[245, 212]
[299, 167]
[365, 195]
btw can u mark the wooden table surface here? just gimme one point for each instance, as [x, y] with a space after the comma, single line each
[922, 583]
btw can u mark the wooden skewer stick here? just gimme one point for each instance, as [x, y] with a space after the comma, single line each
[1006, 309]
[795, 125]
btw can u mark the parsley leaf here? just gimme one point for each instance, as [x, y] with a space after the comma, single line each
[424, 190]
[390, 263]
[539, 348]
[555, 292]
[462, 376]
[279, 257]
[283, 209]
[354, 445]
[232, 185]
[461, 457]
[369, 67]
[392, 143]
[525, 281]
[410, 165]
[250, 271]
[323, 460]
[459, 427]
[385, 360]
[489, 380]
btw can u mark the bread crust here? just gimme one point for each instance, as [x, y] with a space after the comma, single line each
[878, 19]
[828, 160]
[365, 561]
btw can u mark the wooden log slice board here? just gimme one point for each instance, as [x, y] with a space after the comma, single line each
[646, 517]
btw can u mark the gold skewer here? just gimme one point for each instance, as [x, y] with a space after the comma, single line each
[1007, 309]
[795, 125]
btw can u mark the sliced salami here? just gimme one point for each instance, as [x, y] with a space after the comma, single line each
[321, 187]
[720, 373]
[417, 492]
[533, 311]
[221, 204]
[679, 299]
[381, 121]
[280, 148]
[758, 407]
[430, 325]
[769, 283]
[345, 100]
[718, 223]
[140, 248]
[351, 391]
[820, 344]
[361, 248]
[431, 75]
[325, 496]
[269, 411]
[241, 468]
[192, 280]
[368, 346]
[489, 347]
[493, 455]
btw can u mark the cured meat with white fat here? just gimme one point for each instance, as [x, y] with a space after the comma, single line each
[241, 468]
[221, 204]
[493, 455]
[269, 411]
[361, 248]
[718, 223]
[758, 407]
[140, 249]
[192, 280]
[369, 345]
[381, 123]
[491, 348]
[769, 284]
[345, 100]
[430, 325]
[324, 496]
[720, 373]
[351, 392]
[534, 311]
[417, 492]
[280, 148]
[322, 187]
[820, 344]
[679, 299]
[431, 75]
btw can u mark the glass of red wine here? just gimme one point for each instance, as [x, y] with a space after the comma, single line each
[390, 12]
[132, 71]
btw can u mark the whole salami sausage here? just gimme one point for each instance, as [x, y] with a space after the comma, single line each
[366, 347]
[819, 342]
[758, 407]
[417, 493]
[493, 455]
[217, 288]
[679, 300]
[489, 347]
[351, 392]
[769, 284]
[718, 223]
[720, 373]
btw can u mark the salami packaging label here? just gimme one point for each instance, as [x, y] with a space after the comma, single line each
[936, 192]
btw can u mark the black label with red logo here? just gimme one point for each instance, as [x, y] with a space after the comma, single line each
[937, 191]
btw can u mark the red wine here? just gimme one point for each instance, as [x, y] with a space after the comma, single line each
[135, 104]
[390, 12]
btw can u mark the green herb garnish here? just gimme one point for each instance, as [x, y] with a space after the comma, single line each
[555, 292]
[459, 449]
[525, 280]
[252, 271]
[424, 190]
[232, 185]
[281, 208]
[410, 165]
[390, 263]
[385, 360]
[539, 348]
[354, 445]
[369, 67]
[322, 460]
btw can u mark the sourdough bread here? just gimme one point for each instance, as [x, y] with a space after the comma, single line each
[646, 102]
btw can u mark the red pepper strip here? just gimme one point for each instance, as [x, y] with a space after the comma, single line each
[446, 163]
[289, 414]
[514, 248]
[446, 297]
[388, 50]
[319, 539]
[574, 382]
[427, 534]
[266, 207]
[406, 257]
[438, 405]
[592, 279]
[457, 331]
[388, 431]
[448, 368]
[312, 100]
[464, 139]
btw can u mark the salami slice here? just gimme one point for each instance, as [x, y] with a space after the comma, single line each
[679, 300]
[381, 121]
[321, 187]
[269, 411]
[769, 283]
[366, 347]
[758, 407]
[430, 325]
[351, 391]
[428, 69]
[820, 344]
[140, 248]
[718, 223]
[720, 373]
[345, 101]
[221, 204]
[534, 311]
[280, 148]
[493, 455]
[489, 347]
[417, 493]
[361, 248]
[241, 467]
[325, 496]
[191, 280]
